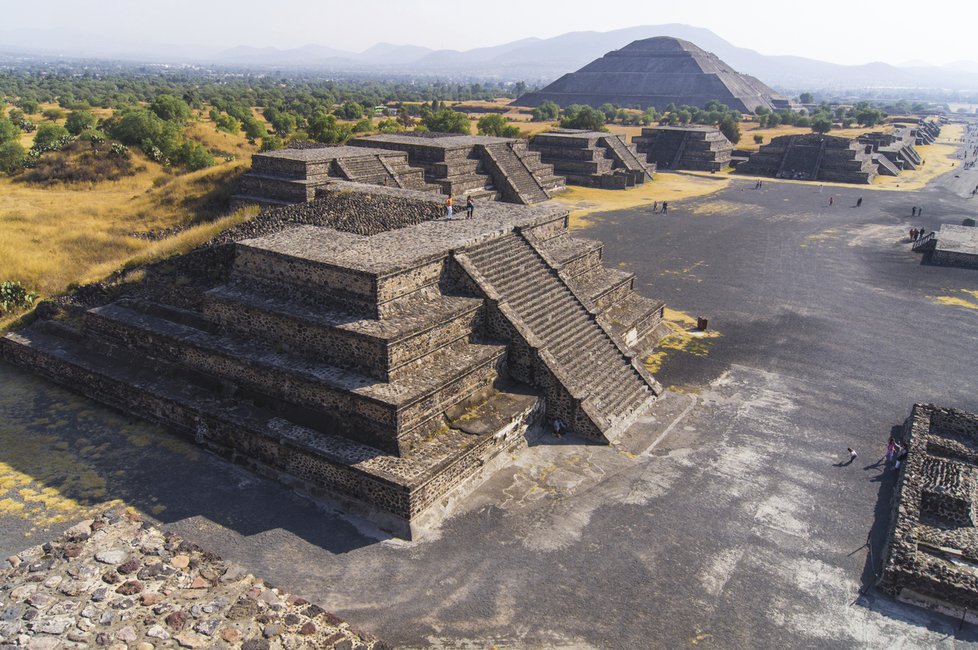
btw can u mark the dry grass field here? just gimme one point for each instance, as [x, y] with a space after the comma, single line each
[54, 236]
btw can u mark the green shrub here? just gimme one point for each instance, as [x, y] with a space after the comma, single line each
[758, 139]
[13, 296]
[495, 124]
[79, 121]
[12, 157]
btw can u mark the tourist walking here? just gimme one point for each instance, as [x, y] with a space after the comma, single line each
[913, 211]
[469, 207]
[448, 204]
[831, 199]
[665, 207]
[901, 458]
[852, 455]
[655, 206]
[891, 447]
[859, 201]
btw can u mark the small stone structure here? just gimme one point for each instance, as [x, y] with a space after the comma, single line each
[931, 555]
[356, 347]
[813, 157]
[894, 152]
[292, 175]
[592, 158]
[657, 72]
[116, 582]
[702, 148]
[475, 165]
[952, 245]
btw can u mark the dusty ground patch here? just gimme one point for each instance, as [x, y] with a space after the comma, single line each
[584, 201]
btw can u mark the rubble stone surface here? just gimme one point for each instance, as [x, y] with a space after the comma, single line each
[78, 591]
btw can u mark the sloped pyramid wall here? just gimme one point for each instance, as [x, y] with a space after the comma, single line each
[656, 72]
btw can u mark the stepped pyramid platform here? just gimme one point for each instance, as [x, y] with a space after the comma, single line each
[813, 157]
[931, 551]
[592, 158]
[657, 72]
[387, 362]
[293, 175]
[701, 148]
[482, 167]
[897, 148]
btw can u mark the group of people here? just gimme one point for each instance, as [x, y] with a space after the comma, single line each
[469, 206]
[665, 207]
[916, 212]
[895, 453]
[917, 233]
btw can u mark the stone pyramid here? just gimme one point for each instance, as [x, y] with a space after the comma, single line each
[656, 72]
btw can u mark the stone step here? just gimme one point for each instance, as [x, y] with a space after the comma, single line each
[456, 371]
[262, 439]
[602, 287]
[379, 348]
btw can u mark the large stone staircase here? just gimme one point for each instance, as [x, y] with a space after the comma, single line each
[626, 157]
[607, 387]
[509, 170]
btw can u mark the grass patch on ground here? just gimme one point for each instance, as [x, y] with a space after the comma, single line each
[940, 160]
[54, 236]
[584, 201]
[967, 298]
[682, 339]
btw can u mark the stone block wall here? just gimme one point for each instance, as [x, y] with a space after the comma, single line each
[931, 542]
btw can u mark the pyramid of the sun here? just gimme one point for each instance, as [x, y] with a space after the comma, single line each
[657, 72]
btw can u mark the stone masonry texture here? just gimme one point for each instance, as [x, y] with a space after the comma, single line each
[116, 582]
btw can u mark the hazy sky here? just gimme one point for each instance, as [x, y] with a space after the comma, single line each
[853, 31]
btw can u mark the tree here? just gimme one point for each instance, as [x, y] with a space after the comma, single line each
[283, 123]
[11, 156]
[271, 143]
[325, 128]
[350, 111]
[28, 105]
[364, 125]
[821, 124]
[519, 88]
[254, 129]
[53, 114]
[447, 121]
[609, 111]
[649, 116]
[583, 117]
[806, 98]
[404, 117]
[50, 136]
[192, 155]
[547, 111]
[773, 120]
[79, 121]
[8, 130]
[170, 108]
[495, 124]
[730, 129]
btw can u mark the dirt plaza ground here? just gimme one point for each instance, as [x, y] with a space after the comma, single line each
[720, 520]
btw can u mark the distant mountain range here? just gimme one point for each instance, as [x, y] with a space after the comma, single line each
[532, 59]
